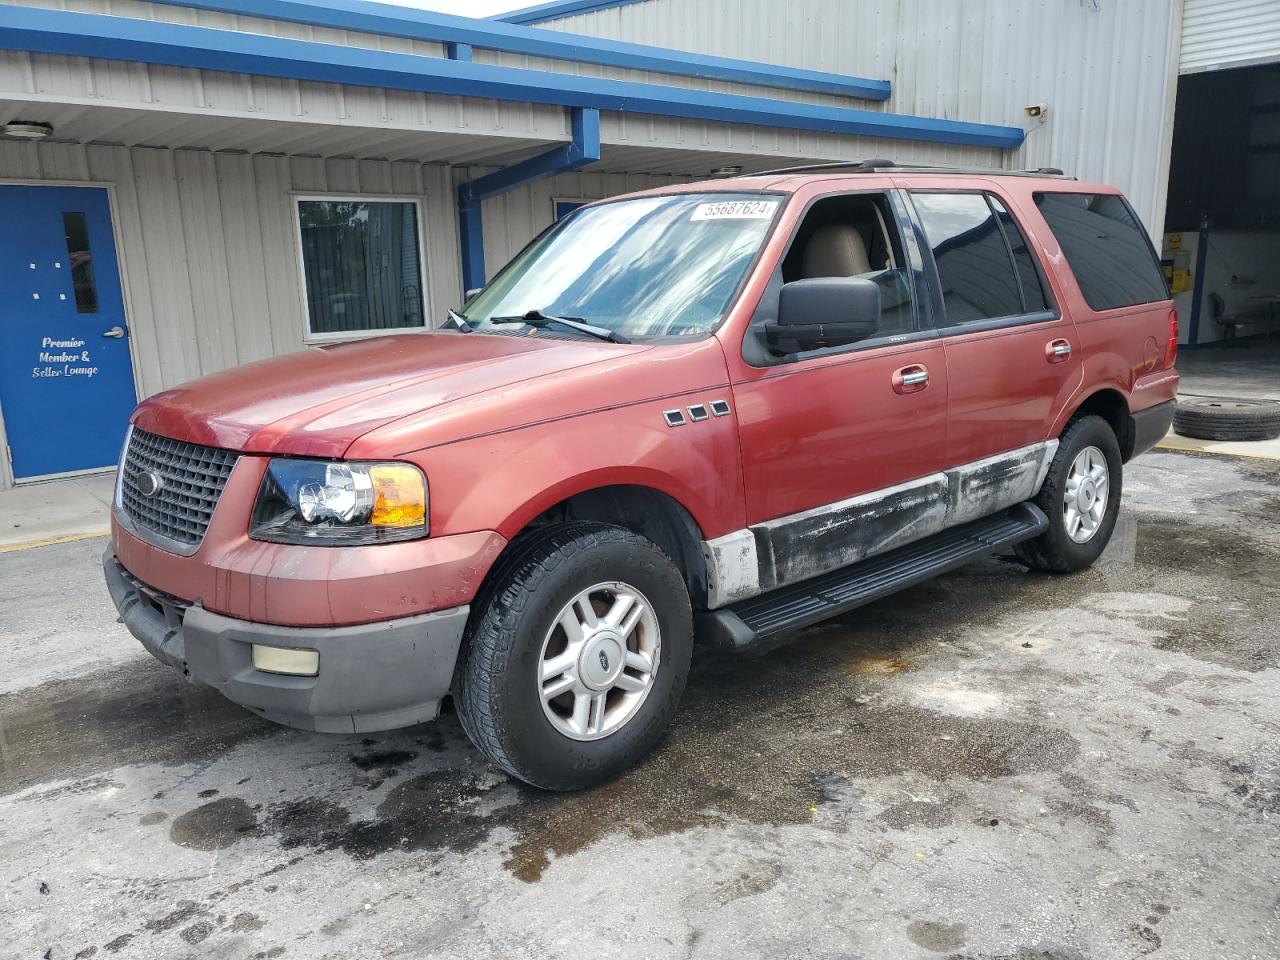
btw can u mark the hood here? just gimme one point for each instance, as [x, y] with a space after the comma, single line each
[316, 403]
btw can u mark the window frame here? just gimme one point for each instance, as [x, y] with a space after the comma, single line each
[1052, 309]
[903, 218]
[342, 336]
[1142, 229]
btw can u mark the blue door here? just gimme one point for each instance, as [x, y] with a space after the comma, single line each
[66, 377]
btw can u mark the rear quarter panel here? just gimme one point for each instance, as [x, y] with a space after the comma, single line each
[1120, 349]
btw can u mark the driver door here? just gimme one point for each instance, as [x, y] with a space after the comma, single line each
[841, 447]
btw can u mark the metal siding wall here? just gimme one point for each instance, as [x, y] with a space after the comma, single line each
[1229, 33]
[226, 95]
[208, 243]
[512, 219]
[1106, 69]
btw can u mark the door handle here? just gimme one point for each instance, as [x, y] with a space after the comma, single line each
[115, 333]
[1055, 351]
[911, 379]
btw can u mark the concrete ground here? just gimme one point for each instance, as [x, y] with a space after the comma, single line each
[995, 765]
[56, 511]
[1252, 370]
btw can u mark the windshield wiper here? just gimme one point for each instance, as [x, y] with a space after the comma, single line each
[460, 322]
[536, 318]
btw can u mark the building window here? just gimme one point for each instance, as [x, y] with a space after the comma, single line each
[361, 265]
[562, 208]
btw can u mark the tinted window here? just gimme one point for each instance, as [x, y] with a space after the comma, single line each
[1033, 298]
[978, 282]
[361, 265]
[1106, 247]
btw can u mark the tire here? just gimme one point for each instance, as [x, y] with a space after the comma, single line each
[1056, 550]
[1224, 418]
[518, 622]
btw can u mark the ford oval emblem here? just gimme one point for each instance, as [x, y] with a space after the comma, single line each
[149, 484]
[604, 660]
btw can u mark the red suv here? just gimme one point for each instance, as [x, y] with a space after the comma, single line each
[726, 409]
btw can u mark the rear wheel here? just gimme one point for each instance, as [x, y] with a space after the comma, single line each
[1081, 498]
[576, 661]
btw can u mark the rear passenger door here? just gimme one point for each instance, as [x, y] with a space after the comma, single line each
[1012, 357]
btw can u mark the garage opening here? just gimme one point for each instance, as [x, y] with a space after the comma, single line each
[1222, 231]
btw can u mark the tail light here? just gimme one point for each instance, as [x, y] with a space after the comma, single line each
[1171, 348]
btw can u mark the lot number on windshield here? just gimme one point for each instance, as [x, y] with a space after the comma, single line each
[735, 210]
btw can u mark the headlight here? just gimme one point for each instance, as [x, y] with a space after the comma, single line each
[335, 503]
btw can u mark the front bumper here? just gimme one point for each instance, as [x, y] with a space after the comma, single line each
[374, 676]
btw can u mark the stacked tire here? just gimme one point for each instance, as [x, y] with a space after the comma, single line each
[1227, 418]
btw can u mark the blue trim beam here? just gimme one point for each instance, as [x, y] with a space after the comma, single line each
[178, 45]
[1197, 289]
[559, 8]
[395, 21]
[583, 149]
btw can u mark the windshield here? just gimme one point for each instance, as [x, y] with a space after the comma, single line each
[649, 267]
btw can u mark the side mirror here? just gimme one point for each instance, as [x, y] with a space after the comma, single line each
[824, 312]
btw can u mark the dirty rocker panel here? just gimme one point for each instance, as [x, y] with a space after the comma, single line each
[762, 620]
[787, 550]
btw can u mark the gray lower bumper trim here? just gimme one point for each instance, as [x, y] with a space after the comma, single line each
[375, 676]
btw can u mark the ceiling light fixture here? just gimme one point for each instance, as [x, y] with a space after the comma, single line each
[26, 130]
[721, 173]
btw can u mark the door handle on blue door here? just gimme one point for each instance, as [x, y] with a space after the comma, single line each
[115, 333]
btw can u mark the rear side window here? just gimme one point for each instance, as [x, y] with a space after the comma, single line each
[984, 266]
[1107, 248]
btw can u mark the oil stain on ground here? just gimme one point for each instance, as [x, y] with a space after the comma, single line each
[138, 712]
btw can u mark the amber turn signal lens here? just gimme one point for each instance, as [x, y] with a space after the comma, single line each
[399, 496]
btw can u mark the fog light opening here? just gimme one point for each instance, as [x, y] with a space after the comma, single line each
[288, 661]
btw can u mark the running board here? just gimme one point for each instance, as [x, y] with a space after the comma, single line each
[743, 625]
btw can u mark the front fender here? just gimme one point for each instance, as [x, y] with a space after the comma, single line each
[503, 481]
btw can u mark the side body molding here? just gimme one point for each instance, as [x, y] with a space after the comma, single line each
[787, 550]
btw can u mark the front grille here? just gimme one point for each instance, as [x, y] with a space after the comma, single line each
[192, 477]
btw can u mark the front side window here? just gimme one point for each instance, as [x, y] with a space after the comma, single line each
[1106, 248]
[975, 267]
[361, 265]
[646, 267]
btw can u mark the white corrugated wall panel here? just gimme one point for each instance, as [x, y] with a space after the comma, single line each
[1105, 68]
[1229, 33]
[512, 219]
[208, 243]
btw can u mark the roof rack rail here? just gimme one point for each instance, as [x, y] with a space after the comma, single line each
[889, 166]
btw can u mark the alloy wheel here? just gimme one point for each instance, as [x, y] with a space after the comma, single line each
[599, 660]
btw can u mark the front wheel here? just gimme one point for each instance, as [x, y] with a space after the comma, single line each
[575, 663]
[1081, 498]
